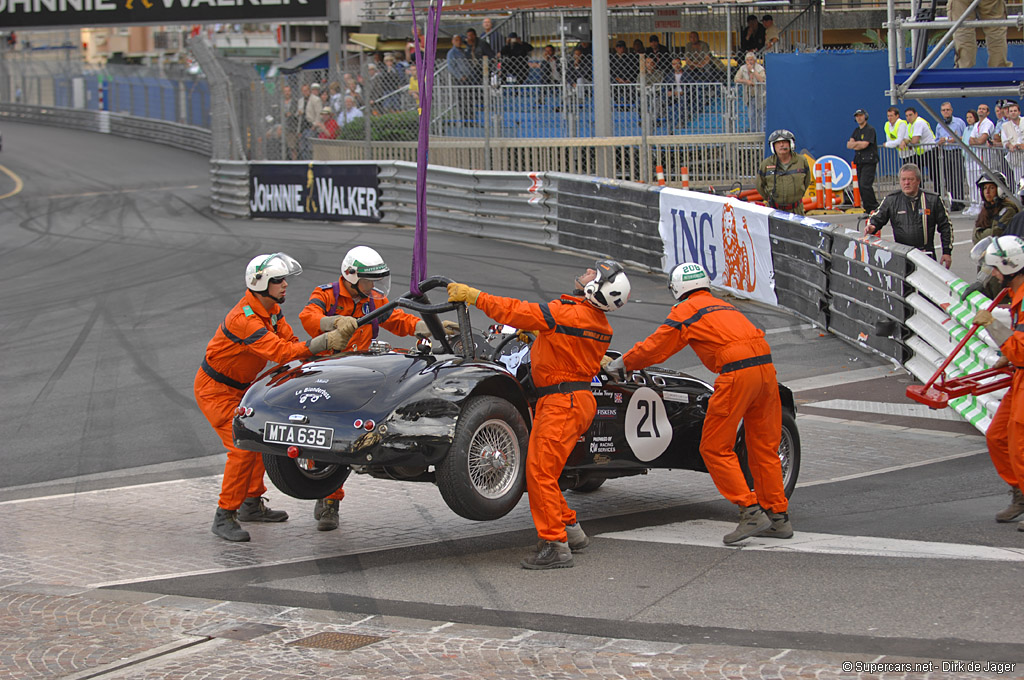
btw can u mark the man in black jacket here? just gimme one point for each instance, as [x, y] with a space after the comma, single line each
[865, 157]
[913, 224]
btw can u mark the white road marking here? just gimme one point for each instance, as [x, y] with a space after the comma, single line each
[842, 378]
[708, 534]
[888, 409]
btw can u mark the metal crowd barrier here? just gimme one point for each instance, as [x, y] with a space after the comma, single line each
[948, 171]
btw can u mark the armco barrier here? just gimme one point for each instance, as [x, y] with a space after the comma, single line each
[180, 136]
[581, 217]
[502, 205]
[802, 256]
[868, 287]
[229, 187]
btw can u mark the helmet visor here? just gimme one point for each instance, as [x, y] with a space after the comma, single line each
[978, 251]
[282, 264]
[379, 284]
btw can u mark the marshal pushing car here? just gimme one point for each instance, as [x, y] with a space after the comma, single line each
[457, 412]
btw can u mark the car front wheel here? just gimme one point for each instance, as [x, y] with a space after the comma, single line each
[484, 474]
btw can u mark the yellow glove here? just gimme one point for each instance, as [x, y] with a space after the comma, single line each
[605, 360]
[451, 328]
[526, 336]
[460, 292]
[984, 317]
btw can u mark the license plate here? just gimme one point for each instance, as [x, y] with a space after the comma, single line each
[300, 435]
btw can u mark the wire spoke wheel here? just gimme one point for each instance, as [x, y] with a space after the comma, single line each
[493, 459]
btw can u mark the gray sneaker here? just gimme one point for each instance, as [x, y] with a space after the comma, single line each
[328, 519]
[255, 509]
[780, 528]
[226, 526]
[753, 520]
[578, 540]
[552, 555]
[1015, 509]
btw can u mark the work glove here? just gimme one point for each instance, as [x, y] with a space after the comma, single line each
[996, 330]
[983, 318]
[327, 323]
[338, 339]
[335, 341]
[616, 368]
[460, 292]
[421, 329]
[451, 328]
[526, 336]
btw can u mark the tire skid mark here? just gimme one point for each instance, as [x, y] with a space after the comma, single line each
[69, 356]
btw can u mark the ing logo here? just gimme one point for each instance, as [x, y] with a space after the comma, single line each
[740, 258]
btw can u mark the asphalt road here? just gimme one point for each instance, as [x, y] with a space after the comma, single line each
[116, 274]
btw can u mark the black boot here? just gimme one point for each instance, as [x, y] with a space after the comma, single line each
[255, 510]
[226, 526]
[551, 555]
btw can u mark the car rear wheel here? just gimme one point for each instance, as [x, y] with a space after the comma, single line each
[304, 478]
[789, 455]
[484, 474]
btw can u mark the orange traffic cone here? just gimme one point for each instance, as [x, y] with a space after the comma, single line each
[685, 172]
[828, 186]
[819, 197]
[856, 188]
[661, 175]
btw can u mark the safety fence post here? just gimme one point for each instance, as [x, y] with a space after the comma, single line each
[828, 186]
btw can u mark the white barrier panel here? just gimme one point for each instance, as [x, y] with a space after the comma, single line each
[940, 320]
[729, 238]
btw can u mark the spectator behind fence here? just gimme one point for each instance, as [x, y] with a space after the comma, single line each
[662, 57]
[696, 46]
[965, 37]
[896, 132]
[477, 51]
[949, 128]
[638, 47]
[349, 112]
[494, 40]
[353, 88]
[1013, 138]
[915, 216]
[580, 68]
[515, 59]
[1000, 117]
[753, 37]
[292, 113]
[677, 95]
[865, 157]
[771, 33]
[972, 171]
[921, 141]
[751, 76]
[392, 79]
[334, 100]
[326, 127]
[623, 67]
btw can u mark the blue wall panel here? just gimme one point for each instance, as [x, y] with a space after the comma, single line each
[815, 95]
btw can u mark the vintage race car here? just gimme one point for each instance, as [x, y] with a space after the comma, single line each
[457, 412]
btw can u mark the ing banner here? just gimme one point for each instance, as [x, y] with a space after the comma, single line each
[729, 238]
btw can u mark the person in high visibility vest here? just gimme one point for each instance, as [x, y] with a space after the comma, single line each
[895, 130]
[921, 139]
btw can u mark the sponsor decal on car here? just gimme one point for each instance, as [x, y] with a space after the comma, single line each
[312, 394]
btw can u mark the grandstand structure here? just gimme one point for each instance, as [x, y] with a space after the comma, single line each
[919, 77]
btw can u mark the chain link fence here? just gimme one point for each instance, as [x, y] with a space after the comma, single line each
[166, 93]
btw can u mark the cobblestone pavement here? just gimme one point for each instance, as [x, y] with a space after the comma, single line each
[56, 552]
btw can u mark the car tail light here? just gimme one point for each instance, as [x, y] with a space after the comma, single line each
[358, 423]
[293, 451]
[243, 411]
[368, 425]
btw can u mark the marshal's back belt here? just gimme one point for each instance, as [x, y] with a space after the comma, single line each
[564, 388]
[747, 363]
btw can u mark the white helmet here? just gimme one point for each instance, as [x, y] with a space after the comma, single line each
[363, 262]
[686, 278]
[1006, 254]
[262, 268]
[610, 288]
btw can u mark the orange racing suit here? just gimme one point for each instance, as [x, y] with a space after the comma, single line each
[1005, 434]
[333, 300]
[572, 336]
[248, 338]
[746, 389]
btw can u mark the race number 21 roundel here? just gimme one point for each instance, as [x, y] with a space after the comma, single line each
[648, 431]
